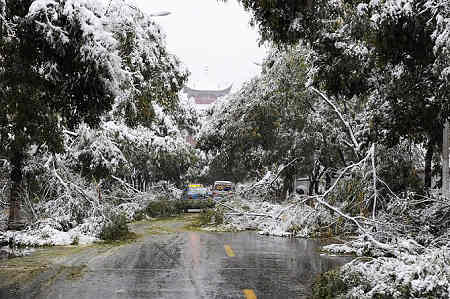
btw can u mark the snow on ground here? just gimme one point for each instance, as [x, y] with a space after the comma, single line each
[3, 219]
[425, 275]
[47, 233]
[51, 231]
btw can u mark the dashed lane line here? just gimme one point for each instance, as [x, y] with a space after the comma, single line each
[249, 294]
[229, 251]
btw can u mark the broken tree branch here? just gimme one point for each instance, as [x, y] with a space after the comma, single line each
[279, 172]
[125, 184]
[356, 145]
[374, 171]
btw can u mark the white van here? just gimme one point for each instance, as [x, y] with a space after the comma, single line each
[223, 190]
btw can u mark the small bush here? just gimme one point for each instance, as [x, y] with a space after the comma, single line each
[116, 229]
[75, 240]
[208, 216]
[219, 216]
[163, 208]
[139, 215]
[328, 285]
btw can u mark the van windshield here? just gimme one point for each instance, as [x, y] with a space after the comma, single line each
[220, 187]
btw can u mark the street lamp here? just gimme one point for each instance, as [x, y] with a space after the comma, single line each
[160, 14]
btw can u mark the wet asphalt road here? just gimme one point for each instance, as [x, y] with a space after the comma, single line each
[185, 264]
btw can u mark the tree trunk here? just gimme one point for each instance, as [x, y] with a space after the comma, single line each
[15, 221]
[428, 160]
[311, 186]
[445, 160]
[327, 180]
[316, 186]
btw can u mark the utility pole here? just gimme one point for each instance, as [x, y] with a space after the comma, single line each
[445, 161]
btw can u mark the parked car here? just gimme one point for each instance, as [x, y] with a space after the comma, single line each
[194, 191]
[223, 190]
[195, 196]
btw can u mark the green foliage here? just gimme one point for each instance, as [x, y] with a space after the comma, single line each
[116, 229]
[38, 104]
[139, 215]
[275, 18]
[403, 177]
[245, 208]
[208, 216]
[75, 240]
[392, 59]
[329, 285]
[164, 208]
[294, 229]
[167, 208]
[354, 193]
[257, 126]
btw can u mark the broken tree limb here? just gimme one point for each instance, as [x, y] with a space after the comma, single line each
[279, 172]
[248, 214]
[356, 146]
[239, 213]
[374, 171]
[125, 184]
[265, 183]
[227, 206]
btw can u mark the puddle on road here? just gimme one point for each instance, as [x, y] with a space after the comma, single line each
[277, 267]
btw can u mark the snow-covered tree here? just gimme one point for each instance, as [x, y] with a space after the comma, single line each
[392, 55]
[67, 62]
[272, 121]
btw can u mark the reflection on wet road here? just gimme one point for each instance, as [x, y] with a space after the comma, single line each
[196, 265]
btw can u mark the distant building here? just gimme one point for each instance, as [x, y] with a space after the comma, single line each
[206, 97]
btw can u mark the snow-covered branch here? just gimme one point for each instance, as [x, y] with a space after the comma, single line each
[281, 170]
[356, 146]
[123, 183]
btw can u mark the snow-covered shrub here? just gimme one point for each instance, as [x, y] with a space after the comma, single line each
[407, 276]
[328, 285]
[285, 219]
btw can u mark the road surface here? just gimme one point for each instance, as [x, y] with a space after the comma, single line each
[170, 261]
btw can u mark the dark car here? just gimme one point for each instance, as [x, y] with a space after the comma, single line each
[194, 191]
[196, 196]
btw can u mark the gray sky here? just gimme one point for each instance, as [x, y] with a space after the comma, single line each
[214, 40]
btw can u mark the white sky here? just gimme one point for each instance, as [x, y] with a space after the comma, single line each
[214, 40]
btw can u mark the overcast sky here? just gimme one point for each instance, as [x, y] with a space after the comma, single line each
[214, 40]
